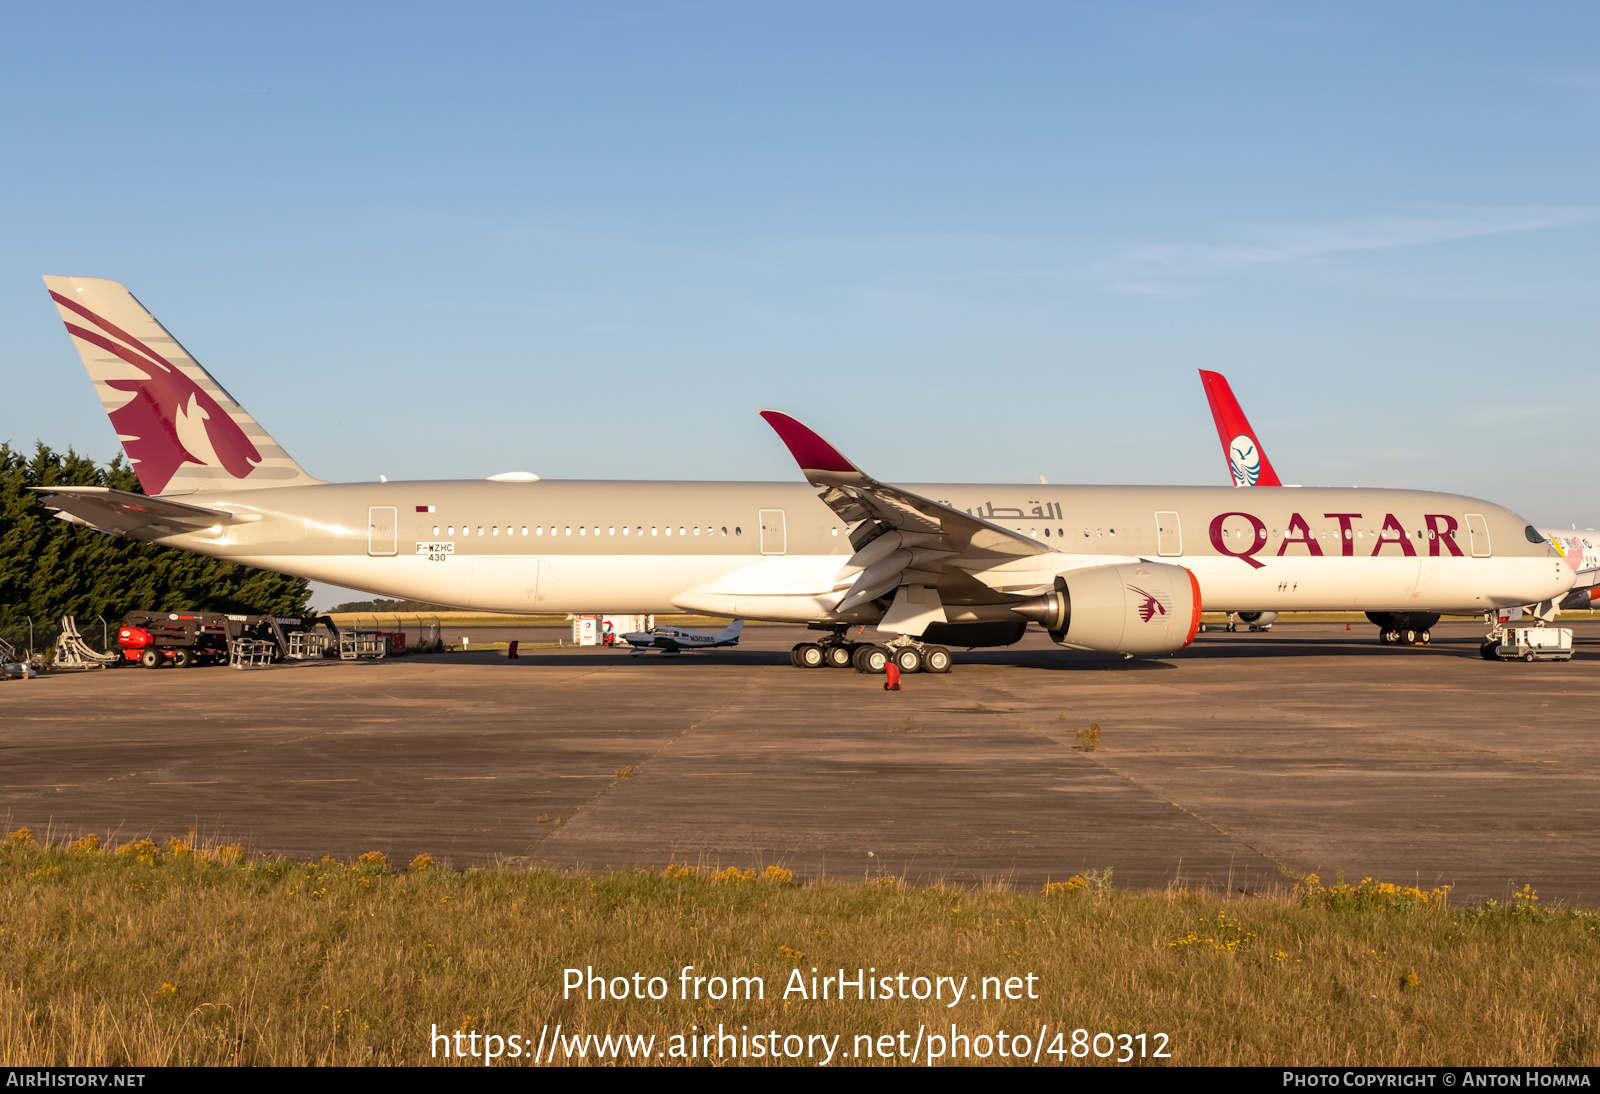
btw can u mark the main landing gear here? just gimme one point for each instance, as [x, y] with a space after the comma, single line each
[1403, 628]
[908, 654]
[1397, 637]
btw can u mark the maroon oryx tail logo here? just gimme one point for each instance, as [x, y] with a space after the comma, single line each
[169, 420]
[1154, 604]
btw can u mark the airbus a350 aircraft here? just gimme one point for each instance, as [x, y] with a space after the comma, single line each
[1121, 569]
[1249, 466]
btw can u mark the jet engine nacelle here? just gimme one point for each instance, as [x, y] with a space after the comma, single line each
[1128, 607]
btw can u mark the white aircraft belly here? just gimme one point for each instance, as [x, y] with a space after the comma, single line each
[521, 583]
[800, 587]
[1371, 584]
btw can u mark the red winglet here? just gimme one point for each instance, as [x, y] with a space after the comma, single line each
[1232, 423]
[809, 450]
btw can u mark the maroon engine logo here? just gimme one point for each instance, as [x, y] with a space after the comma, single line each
[1154, 604]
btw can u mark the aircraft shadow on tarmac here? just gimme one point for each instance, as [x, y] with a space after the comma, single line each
[1233, 647]
[1034, 659]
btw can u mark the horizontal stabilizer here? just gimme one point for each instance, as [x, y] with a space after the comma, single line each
[121, 512]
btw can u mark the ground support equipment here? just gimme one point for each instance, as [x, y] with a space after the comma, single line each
[72, 652]
[357, 645]
[251, 653]
[1528, 644]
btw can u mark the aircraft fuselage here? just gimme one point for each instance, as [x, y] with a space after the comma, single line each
[774, 550]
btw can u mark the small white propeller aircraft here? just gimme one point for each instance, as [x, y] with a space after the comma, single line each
[672, 640]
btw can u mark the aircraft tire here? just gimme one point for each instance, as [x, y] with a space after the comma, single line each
[909, 659]
[871, 659]
[1411, 638]
[808, 655]
[838, 657]
[1488, 651]
[1424, 638]
[150, 659]
[935, 659]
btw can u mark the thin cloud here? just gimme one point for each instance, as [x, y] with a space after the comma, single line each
[1576, 79]
[1277, 243]
[1153, 288]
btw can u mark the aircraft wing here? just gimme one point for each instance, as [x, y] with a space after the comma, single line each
[121, 512]
[904, 539]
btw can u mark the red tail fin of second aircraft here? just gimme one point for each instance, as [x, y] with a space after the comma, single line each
[1247, 460]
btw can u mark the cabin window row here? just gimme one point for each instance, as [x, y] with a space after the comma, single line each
[587, 529]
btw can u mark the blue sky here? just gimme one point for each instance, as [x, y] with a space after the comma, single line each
[965, 242]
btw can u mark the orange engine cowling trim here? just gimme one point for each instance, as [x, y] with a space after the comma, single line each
[1194, 620]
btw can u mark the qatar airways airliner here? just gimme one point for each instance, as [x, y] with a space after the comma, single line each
[1249, 466]
[1121, 569]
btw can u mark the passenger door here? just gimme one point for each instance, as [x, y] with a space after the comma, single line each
[382, 530]
[774, 540]
[1169, 534]
[1478, 534]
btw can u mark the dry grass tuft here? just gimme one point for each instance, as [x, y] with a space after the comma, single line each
[147, 957]
[1072, 885]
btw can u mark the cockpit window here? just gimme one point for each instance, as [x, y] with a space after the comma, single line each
[1533, 534]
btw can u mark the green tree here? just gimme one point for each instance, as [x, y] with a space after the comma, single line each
[50, 567]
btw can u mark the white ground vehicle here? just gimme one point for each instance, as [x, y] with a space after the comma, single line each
[1531, 644]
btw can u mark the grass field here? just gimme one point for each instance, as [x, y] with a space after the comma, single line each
[152, 955]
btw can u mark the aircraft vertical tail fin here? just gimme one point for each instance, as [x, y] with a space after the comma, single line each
[1247, 460]
[732, 631]
[181, 429]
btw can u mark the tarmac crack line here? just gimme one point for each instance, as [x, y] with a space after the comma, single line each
[1152, 791]
[637, 768]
